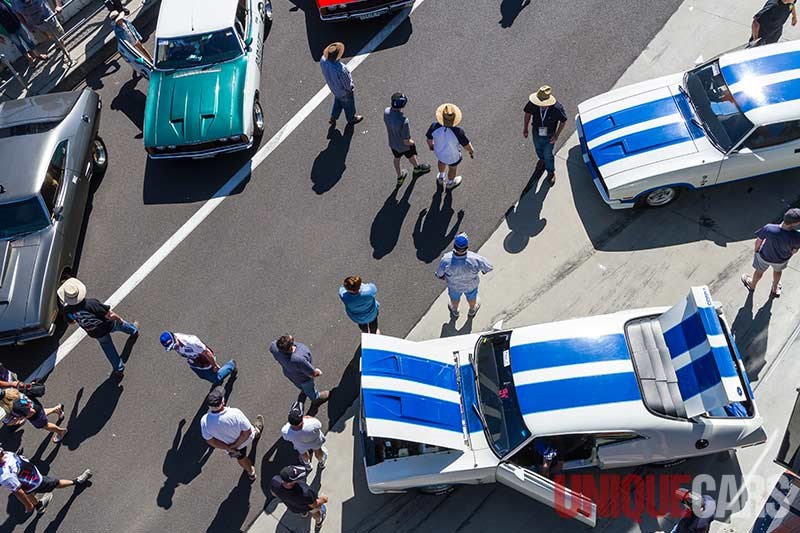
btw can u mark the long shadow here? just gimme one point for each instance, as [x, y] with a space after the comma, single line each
[233, 510]
[330, 163]
[354, 34]
[280, 454]
[510, 10]
[449, 329]
[176, 181]
[93, 416]
[55, 523]
[524, 219]
[431, 235]
[752, 334]
[131, 102]
[385, 231]
[94, 79]
[346, 391]
[185, 459]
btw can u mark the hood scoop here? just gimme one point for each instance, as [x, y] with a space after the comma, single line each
[7, 271]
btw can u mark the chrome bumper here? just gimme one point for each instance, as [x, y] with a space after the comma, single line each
[367, 13]
[203, 154]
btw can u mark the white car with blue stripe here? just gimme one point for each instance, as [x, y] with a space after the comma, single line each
[734, 117]
[630, 388]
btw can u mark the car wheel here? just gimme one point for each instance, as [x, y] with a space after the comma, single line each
[99, 156]
[436, 490]
[660, 197]
[258, 119]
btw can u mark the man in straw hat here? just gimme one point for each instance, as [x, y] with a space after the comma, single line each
[446, 140]
[340, 82]
[97, 319]
[548, 118]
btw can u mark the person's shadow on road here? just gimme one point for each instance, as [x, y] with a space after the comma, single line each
[385, 231]
[330, 163]
[524, 219]
[131, 102]
[233, 510]
[431, 235]
[752, 333]
[94, 415]
[510, 10]
[280, 454]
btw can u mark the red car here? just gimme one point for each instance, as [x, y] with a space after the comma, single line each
[358, 9]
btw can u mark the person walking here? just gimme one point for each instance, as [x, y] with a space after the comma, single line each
[697, 513]
[360, 303]
[39, 16]
[767, 26]
[97, 320]
[17, 34]
[228, 429]
[400, 142]
[340, 82]
[446, 140]
[129, 43]
[548, 118]
[461, 269]
[305, 434]
[298, 366]
[24, 480]
[31, 409]
[290, 487]
[775, 245]
[201, 358]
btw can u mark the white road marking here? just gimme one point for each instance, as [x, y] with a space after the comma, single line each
[190, 225]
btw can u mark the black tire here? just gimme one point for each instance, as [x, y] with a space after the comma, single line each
[258, 119]
[99, 155]
[436, 490]
[660, 197]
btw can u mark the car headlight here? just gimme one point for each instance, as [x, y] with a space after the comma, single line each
[172, 146]
[160, 148]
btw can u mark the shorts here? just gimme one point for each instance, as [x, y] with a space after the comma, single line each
[456, 295]
[760, 265]
[51, 27]
[48, 484]
[241, 453]
[39, 419]
[460, 159]
[370, 327]
[411, 152]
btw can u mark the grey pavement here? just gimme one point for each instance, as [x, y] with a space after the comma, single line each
[560, 253]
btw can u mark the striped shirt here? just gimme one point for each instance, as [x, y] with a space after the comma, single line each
[192, 348]
[338, 77]
[17, 473]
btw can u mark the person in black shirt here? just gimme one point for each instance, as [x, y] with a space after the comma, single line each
[290, 488]
[768, 23]
[11, 23]
[97, 319]
[548, 118]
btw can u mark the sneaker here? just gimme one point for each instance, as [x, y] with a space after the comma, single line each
[252, 476]
[552, 177]
[777, 292]
[83, 478]
[322, 514]
[118, 374]
[402, 177]
[474, 310]
[423, 168]
[746, 281]
[356, 120]
[323, 397]
[455, 182]
[440, 178]
[259, 425]
[43, 502]
[321, 462]
[136, 325]
[332, 121]
[453, 312]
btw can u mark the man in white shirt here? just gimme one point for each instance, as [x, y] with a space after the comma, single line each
[446, 140]
[228, 429]
[200, 357]
[305, 434]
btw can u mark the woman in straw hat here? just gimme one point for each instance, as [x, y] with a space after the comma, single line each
[446, 140]
[340, 82]
[548, 118]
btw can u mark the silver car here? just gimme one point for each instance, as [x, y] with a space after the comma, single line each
[49, 150]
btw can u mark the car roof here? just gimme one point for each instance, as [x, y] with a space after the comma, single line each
[179, 18]
[765, 81]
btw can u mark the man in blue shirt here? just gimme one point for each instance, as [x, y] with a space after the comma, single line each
[360, 303]
[340, 82]
[461, 269]
[775, 245]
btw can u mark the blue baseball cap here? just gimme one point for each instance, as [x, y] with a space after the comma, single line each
[461, 242]
[167, 340]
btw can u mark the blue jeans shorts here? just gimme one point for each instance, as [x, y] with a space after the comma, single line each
[456, 295]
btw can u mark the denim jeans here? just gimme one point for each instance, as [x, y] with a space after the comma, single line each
[346, 103]
[544, 151]
[107, 344]
[309, 389]
[217, 377]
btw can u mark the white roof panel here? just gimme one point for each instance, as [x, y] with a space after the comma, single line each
[178, 18]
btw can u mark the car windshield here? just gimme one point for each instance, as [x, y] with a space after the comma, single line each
[197, 50]
[19, 218]
[716, 109]
[505, 428]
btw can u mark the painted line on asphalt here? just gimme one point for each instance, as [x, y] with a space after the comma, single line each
[195, 220]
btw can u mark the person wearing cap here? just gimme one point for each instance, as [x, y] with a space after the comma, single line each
[22, 478]
[340, 82]
[547, 117]
[290, 487]
[201, 358]
[461, 269]
[697, 513]
[400, 142]
[445, 138]
[305, 434]
[228, 429]
[125, 32]
[97, 320]
[298, 366]
[767, 26]
[31, 409]
[775, 245]
[360, 303]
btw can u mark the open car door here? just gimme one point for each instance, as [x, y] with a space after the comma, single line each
[566, 502]
[134, 57]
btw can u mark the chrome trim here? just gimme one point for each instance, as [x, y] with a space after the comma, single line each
[203, 154]
[367, 14]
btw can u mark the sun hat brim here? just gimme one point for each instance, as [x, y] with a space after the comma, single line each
[441, 119]
[535, 100]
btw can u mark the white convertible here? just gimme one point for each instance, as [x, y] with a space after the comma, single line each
[733, 117]
[630, 388]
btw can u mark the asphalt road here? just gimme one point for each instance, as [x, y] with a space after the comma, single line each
[270, 258]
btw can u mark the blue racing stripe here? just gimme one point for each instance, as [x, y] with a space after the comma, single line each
[470, 396]
[640, 142]
[578, 392]
[403, 366]
[692, 331]
[412, 409]
[628, 117]
[776, 93]
[704, 373]
[563, 352]
[761, 66]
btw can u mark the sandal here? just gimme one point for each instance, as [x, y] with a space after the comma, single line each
[777, 292]
[746, 282]
[58, 438]
[60, 411]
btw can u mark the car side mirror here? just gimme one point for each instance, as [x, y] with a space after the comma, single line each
[248, 42]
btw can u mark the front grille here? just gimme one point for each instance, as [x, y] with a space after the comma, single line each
[199, 147]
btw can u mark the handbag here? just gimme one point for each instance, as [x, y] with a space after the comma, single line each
[33, 390]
